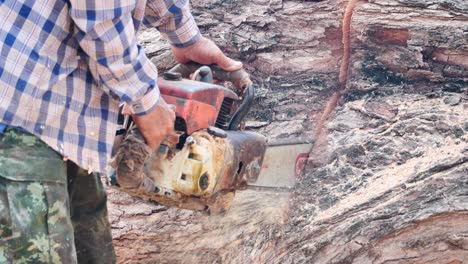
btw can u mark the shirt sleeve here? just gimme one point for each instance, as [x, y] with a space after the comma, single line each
[174, 20]
[107, 35]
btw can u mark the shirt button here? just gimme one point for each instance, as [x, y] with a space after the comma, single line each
[60, 148]
[92, 133]
[90, 166]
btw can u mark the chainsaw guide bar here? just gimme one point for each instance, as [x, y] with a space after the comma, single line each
[283, 163]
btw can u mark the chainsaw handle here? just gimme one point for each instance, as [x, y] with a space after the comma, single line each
[244, 108]
[240, 78]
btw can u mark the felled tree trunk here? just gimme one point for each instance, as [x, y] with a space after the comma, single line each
[393, 184]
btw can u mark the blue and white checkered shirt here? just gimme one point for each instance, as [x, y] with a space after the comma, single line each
[65, 65]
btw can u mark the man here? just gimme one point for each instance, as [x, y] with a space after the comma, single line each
[64, 68]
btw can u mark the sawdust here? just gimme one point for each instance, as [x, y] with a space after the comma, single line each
[215, 238]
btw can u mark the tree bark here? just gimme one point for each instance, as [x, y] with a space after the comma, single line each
[392, 185]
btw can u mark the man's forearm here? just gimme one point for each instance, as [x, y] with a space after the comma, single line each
[174, 20]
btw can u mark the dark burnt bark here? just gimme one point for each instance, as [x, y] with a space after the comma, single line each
[393, 184]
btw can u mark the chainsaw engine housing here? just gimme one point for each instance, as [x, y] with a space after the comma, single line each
[206, 169]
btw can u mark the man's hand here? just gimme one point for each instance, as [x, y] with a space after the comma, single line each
[205, 51]
[155, 125]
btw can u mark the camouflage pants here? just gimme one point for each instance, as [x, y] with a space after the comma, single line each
[50, 211]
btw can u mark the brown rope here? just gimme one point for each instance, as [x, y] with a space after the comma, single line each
[346, 39]
[318, 152]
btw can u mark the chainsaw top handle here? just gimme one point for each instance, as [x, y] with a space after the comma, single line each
[240, 79]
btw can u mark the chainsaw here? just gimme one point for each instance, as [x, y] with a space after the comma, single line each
[210, 156]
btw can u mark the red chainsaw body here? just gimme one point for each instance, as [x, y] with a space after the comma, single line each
[197, 103]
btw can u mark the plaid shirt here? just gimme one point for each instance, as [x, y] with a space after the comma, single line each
[66, 65]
